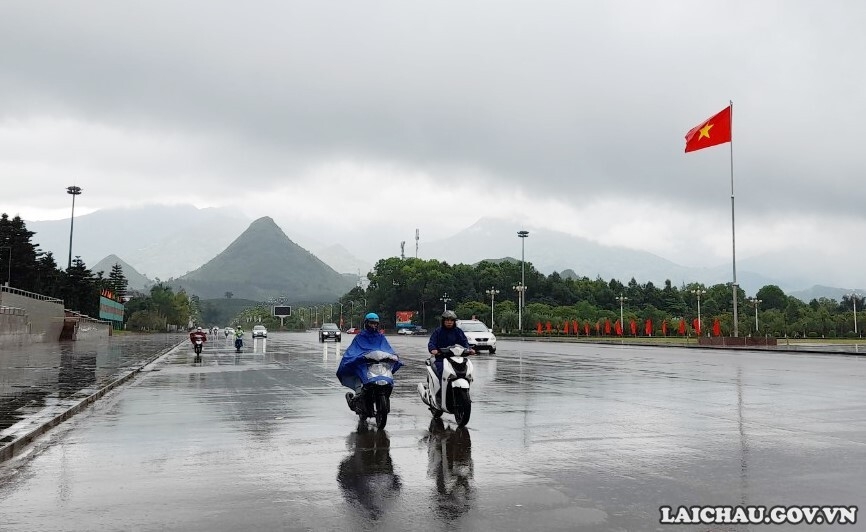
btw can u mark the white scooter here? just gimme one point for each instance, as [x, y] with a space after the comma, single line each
[450, 393]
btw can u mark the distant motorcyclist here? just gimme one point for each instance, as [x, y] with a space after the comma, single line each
[239, 339]
[197, 334]
[369, 339]
[446, 335]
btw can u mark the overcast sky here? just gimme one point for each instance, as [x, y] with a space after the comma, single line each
[346, 119]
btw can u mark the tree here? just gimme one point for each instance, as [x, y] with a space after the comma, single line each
[229, 295]
[117, 282]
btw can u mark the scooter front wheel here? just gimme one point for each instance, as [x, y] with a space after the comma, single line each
[462, 406]
[382, 408]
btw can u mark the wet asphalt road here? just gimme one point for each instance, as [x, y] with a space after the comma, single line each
[562, 437]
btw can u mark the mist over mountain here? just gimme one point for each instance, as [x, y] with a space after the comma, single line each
[164, 242]
[263, 263]
[159, 241]
[136, 280]
[550, 251]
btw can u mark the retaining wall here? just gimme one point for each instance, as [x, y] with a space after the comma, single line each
[44, 317]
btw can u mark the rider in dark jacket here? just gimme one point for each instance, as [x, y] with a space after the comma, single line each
[445, 336]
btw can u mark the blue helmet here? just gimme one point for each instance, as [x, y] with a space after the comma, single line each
[372, 316]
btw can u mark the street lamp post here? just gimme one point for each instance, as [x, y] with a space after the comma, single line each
[520, 289]
[854, 297]
[621, 299]
[698, 292]
[341, 313]
[492, 293]
[521, 301]
[755, 301]
[74, 191]
[351, 313]
[445, 299]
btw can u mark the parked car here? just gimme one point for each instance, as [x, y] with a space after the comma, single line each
[406, 330]
[329, 331]
[479, 336]
[259, 331]
[353, 330]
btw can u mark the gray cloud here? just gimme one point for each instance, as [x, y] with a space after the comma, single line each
[579, 100]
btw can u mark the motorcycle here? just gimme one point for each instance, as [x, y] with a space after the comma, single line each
[197, 347]
[239, 343]
[450, 394]
[375, 370]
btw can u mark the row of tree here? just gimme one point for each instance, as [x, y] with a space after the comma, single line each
[28, 268]
[427, 286]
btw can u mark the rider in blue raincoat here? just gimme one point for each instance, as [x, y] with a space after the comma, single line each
[353, 363]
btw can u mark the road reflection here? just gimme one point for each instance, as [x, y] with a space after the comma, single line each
[366, 477]
[449, 455]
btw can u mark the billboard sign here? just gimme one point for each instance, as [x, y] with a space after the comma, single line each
[282, 311]
[404, 318]
[110, 309]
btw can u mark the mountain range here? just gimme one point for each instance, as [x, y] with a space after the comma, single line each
[165, 242]
[135, 280]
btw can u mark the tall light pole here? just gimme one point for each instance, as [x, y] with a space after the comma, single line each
[351, 312]
[445, 299]
[522, 235]
[854, 297]
[698, 292]
[755, 301]
[74, 191]
[492, 293]
[621, 299]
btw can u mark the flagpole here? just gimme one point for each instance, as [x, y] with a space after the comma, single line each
[733, 226]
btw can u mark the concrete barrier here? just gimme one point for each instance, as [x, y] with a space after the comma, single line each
[44, 314]
[13, 326]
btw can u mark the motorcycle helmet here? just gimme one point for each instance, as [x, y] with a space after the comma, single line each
[371, 322]
[198, 329]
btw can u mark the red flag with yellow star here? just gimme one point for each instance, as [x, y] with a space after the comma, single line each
[716, 130]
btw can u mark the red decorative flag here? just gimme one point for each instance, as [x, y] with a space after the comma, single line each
[575, 327]
[665, 327]
[696, 325]
[648, 327]
[717, 327]
[586, 328]
[716, 130]
[682, 329]
[597, 328]
[565, 327]
[618, 328]
[607, 326]
[548, 327]
[538, 327]
[633, 327]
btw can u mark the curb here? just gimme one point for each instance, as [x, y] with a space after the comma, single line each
[14, 447]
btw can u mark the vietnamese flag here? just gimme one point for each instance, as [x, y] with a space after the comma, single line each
[607, 326]
[696, 325]
[618, 328]
[716, 130]
[565, 327]
[648, 328]
[717, 327]
[538, 327]
[633, 326]
[682, 329]
[575, 327]
[548, 327]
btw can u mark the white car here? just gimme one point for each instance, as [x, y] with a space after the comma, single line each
[479, 336]
[259, 331]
